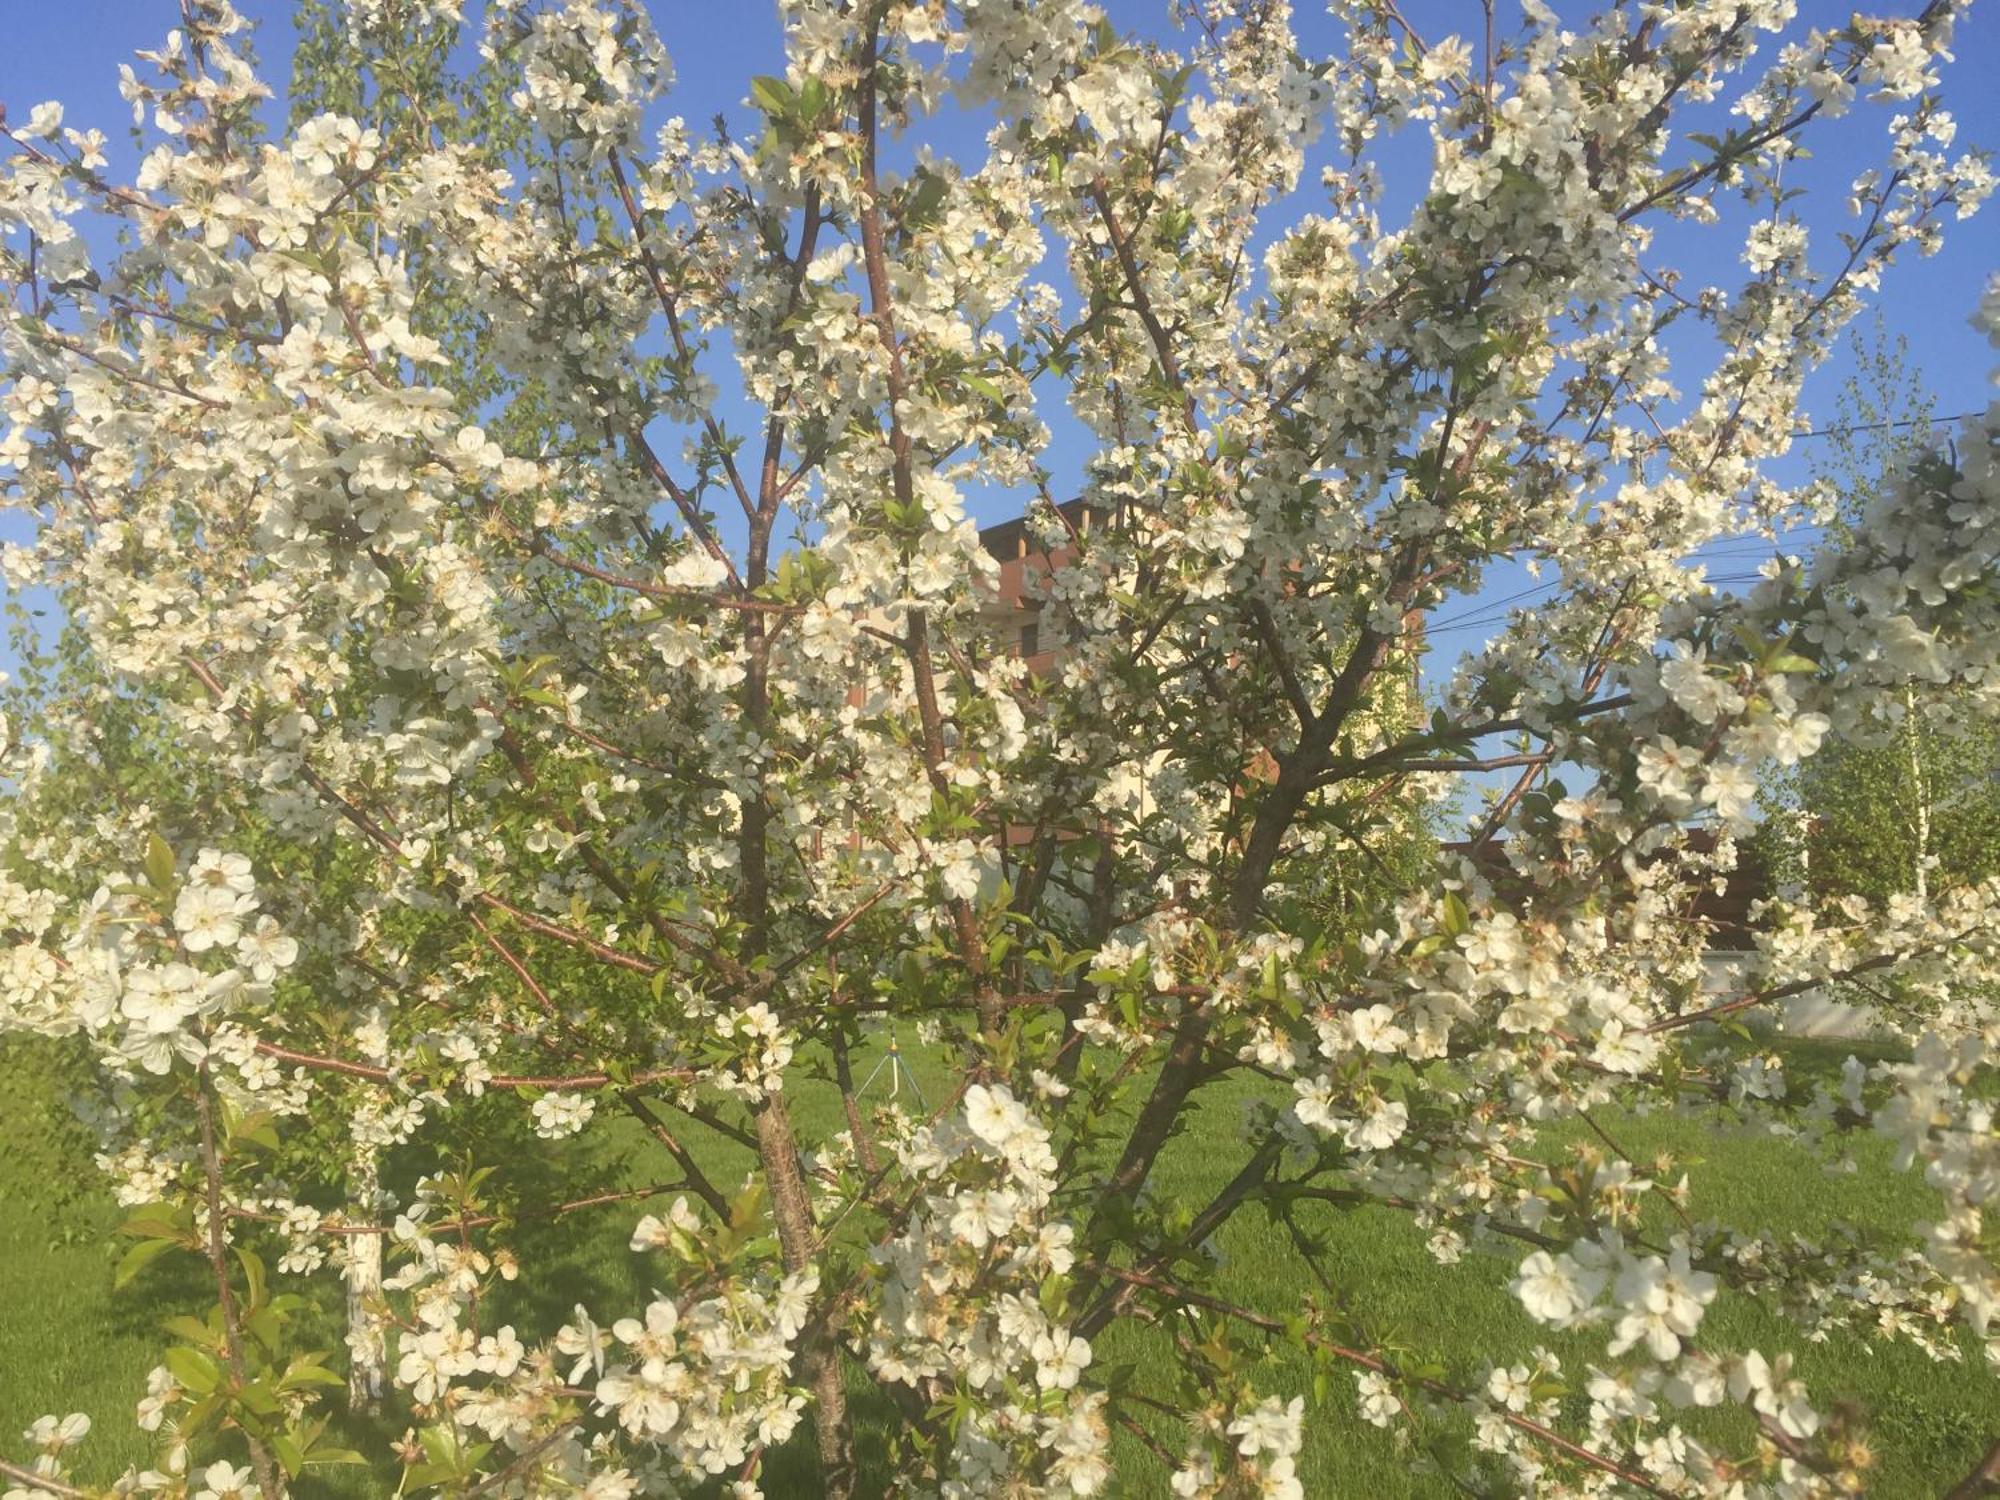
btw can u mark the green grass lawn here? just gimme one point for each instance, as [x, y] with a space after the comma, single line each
[67, 1343]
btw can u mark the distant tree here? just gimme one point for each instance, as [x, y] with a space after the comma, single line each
[1918, 805]
[532, 559]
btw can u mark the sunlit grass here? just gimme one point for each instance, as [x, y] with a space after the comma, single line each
[67, 1342]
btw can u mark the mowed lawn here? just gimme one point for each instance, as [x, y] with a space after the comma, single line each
[68, 1343]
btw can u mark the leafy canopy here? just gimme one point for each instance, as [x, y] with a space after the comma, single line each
[525, 545]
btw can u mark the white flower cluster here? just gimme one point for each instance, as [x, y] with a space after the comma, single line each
[522, 727]
[1941, 1115]
[1255, 1452]
[708, 1383]
[963, 1304]
[149, 986]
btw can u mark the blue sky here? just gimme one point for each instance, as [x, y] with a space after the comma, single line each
[71, 52]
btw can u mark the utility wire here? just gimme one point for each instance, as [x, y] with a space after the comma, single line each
[1964, 416]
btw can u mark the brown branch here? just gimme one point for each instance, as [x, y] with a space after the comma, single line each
[697, 1179]
[771, 487]
[671, 308]
[1295, 693]
[916, 637]
[508, 957]
[522, 1460]
[831, 935]
[1142, 303]
[195, 325]
[1225, 1203]
[1984, 1480]
[376, 833]
[39, 1481]
[843, 1072]
[133, 376]
[481, 1221]
[1775, 992]
[1681, 181]
[617, 957]
[819, 1356]
[376, 1074]
[680, 593]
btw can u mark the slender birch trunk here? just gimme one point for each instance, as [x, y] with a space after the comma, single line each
[368, 1349]
[1920, 798]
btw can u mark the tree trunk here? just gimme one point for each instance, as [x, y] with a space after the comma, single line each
[1920, 796]
[798, 1240]
[367, 1348]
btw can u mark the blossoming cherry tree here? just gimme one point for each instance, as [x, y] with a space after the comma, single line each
[539, 529]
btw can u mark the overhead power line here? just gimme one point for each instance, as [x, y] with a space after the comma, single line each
[1964, 416]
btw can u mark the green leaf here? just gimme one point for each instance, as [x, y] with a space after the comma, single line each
[1052, 1294]
[441, 1446]
[1456, 918]
[307, 1371]
[193, 1330]
[200, 1415]
[925, 202]
[159, 863]
[193, 1369]
[137, 1259]
[257, 1129]
[155, 1221]
[258, 1397]
[253, 1273]
[334, 1456]
[290, 1454]
[774, 96]
[990, 389]
[746, 1209]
